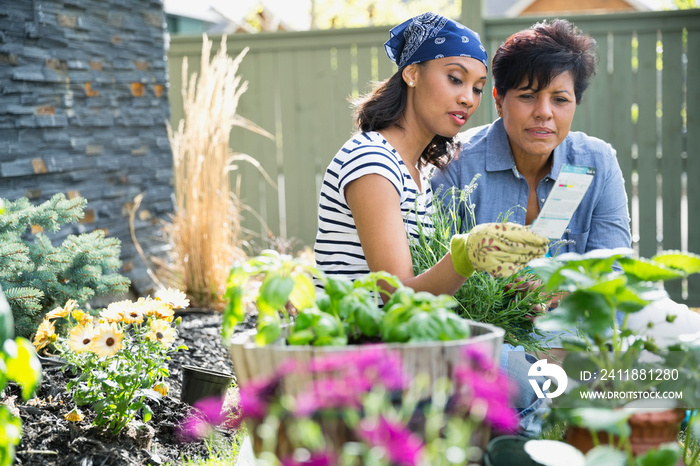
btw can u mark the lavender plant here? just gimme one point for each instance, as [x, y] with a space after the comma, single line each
[500, 301]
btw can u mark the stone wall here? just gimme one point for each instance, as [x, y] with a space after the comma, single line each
[83, 110]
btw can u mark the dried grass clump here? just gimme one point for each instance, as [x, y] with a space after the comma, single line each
[205, 229]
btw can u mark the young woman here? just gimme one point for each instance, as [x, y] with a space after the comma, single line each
[376, 189]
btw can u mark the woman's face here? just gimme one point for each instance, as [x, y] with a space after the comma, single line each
[447, 92]
[537, 122]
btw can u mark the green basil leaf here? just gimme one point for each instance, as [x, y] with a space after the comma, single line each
[274, 293]
[304, 293]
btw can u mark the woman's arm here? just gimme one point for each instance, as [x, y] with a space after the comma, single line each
[375, 207]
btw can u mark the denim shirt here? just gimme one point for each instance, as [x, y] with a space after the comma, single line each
[600, 221]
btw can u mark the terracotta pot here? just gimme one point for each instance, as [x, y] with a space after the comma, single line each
[647, 430]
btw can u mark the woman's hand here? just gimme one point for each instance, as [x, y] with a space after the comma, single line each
[522, 287]
[501, 249]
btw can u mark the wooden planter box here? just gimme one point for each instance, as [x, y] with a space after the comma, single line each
[437, 359]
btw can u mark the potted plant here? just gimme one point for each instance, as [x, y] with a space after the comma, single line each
[609, 365]
[294, 321]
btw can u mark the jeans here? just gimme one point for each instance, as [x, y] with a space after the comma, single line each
[516, 363]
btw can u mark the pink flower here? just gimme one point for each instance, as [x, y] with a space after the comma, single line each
[342, 379]
[484, 392]
[373, 362]
[256, 395]
[479, 356]
[402, 446]
[206, 416]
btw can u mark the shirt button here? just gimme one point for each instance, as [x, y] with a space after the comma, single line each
[542, 200]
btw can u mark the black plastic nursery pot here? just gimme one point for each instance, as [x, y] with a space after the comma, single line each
[508, 450]
[200, 383]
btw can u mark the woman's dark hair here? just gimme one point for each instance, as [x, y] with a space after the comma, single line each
[383, 106]
[542, 52]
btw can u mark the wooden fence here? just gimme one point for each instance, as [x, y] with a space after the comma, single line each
[645, 101]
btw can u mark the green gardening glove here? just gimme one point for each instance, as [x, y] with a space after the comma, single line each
[501, 249]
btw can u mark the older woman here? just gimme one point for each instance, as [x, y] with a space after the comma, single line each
[539, 76]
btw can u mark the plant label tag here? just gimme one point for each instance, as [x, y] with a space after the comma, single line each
[571, 185]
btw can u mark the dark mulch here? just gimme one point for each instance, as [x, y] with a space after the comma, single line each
[48, 439]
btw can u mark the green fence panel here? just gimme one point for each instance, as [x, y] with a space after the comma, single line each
[672, 144]
[646, 136]
[618, 78]
[693, 154]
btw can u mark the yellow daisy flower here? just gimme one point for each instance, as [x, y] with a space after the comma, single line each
[161, 388]
[176, 298]
[62, 311]
[155, 307]
[115, 311]
[132, 315]
[80, 338]
[161, 331]
[74, 416]
[45, 334]
[107, 340]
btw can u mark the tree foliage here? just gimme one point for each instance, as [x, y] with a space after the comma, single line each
[37, 276]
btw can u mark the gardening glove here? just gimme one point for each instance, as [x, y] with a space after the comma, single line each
[501, 249]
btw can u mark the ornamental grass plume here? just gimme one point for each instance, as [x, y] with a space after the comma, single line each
[205, 230]
[119, 355]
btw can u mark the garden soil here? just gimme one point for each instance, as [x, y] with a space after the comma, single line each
[48, 439]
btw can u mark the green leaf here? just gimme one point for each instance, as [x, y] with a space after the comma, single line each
[303, 294]
[613, 421]
[606, 455]
[268, 329]
[146, 413]
[306, 319]
[136, 405]
[301, 337]
[336, 288]
[274, 293]
[233, 312]
[608, 287]
[424, 326]
[589, 311]
[666, 455]
[545, 267]
[23, 366]
[685, 261]
[649, 271]
[365, 313]
[327, 326]
[402, 295]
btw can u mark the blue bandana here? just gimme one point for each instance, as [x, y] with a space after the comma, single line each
[429, 36]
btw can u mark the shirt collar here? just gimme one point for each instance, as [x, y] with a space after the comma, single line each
[501, 156]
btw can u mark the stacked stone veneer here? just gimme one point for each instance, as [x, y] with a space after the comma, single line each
[83, 110]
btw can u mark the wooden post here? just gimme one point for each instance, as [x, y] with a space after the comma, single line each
[472, 16]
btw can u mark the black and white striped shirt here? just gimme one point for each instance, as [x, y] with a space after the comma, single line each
[338, 250]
